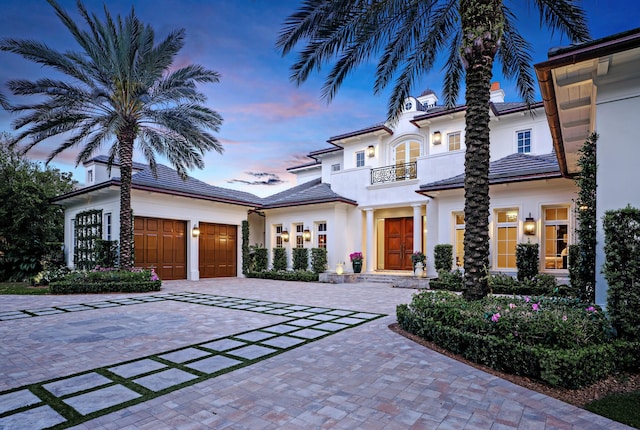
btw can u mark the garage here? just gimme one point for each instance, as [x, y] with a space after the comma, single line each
[218, 250]
[161, 244]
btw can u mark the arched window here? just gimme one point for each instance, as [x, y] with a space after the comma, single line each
[406, 152]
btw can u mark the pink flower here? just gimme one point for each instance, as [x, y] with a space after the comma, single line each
[511, 306]
[536, 306]
[591, 309]
[564, 317]
[526, 299]
[495, 317]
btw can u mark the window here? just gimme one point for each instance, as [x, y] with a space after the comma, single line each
[458, 251]
[90, 176]
[406, 152]
[454, 141]
[322, 234]
[506, 238]
[107, 225]
[524, 141]
[299, 236]
[360, 159]
[335, 167]
[278, 236]
[556, 237]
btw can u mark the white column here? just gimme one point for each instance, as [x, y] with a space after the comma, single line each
[370, 248]
[417, 227]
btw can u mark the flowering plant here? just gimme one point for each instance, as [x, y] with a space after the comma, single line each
[355, 256]
[418, 257]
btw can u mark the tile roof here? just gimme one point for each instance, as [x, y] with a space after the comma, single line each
[513, 168]
[377, 127]
[105, 160]
[311, 192]
[168, 180]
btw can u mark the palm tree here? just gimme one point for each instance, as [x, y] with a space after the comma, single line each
[121, 85]
[406, 37]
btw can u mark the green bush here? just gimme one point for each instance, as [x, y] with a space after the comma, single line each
[106, 253]
[246, 249]
[563, 342]
[318, 260]
[298, 275]
[527, 260]
[622, 269]
[448, 280]
[107, 281]
[300, 258]
[279, 259]
[443, 257]
[260, 259]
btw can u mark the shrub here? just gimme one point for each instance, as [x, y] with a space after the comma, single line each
[300, 258]
[107, 280]
[246, 250]
[622, 269]
[106, 253]
[279, 259]
[527, 260]
[560, 341]
[443, 257]
[448, 280]
[260, 259]
[318, 260]
[298, 275]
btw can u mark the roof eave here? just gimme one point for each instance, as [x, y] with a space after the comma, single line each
[495, 181]
[309, 202]
[194, 196]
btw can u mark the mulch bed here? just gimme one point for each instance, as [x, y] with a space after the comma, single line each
[622, 383]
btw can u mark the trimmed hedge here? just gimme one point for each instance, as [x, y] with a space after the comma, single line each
[443, 257]
[279, 259]
[106, 281]
[318, 260]
[298, 275]
[300, 258]
[527, 260]
[570, 368]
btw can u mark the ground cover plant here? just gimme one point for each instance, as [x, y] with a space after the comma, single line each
[559, 341]
[21, 288]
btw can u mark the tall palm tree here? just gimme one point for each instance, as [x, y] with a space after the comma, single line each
[406, 37]
[121, 85]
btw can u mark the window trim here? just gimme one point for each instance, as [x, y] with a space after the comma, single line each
[505, 224]
[360, 159]
[543, 238]
[449, 136]
[530, 143]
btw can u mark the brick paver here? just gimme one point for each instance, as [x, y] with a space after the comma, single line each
[341, 376]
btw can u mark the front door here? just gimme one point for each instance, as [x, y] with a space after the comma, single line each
[398, 243]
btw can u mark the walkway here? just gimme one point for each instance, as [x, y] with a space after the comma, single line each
[246, 354]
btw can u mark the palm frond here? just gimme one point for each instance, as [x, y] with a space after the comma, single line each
[514, 54]
[565, 16]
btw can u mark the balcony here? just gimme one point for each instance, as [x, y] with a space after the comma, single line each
[394, 173]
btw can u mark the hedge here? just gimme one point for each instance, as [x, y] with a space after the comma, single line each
[66, 287]
[281, 275]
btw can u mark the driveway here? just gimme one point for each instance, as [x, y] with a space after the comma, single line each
[246, 354]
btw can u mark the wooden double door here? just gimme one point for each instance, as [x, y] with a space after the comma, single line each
[217, 255]
[398, 243]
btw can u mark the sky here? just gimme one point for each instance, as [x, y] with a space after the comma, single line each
[270, 124]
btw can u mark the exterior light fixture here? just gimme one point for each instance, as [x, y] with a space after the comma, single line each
[195, 231]
[529, 225]
[306, 234]
[437, 138]
[285, 236]
[371, 151]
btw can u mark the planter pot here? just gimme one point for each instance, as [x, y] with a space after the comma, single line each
[357, 266]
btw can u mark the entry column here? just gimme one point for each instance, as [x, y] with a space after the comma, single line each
[369, 255]
[417, 227]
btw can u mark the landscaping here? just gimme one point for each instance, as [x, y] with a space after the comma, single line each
[106, 280]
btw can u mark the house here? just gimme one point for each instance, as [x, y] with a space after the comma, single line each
[385, 190]
[595, 86]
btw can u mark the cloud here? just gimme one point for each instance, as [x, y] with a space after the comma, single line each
[263, 178]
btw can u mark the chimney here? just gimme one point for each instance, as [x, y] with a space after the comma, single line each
[497, 94]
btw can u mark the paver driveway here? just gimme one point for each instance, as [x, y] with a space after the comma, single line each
[246, 354]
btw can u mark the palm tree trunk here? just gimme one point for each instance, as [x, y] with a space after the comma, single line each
[125, 152]
[482, 29]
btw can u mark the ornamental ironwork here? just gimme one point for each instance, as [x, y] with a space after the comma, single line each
[394, 173]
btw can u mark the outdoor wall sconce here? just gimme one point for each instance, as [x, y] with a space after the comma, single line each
[195, 231]
[306, 234]
[285, 236]
[371, 151]
[437, 138]
[529, 225]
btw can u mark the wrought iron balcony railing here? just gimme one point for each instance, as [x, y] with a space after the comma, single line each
[394, 173]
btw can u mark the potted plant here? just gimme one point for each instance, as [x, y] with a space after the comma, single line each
[356, 261]
[418, 257]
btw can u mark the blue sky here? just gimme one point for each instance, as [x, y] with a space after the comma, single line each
[270, 124]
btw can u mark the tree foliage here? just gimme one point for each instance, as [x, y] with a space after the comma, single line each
[121, 90]
[31, 227]
[406, 38]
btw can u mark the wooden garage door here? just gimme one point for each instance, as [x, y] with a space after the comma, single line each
[162, 244]
[217, 250]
